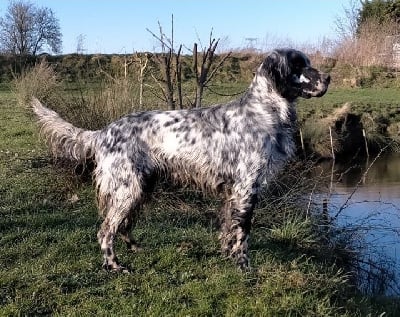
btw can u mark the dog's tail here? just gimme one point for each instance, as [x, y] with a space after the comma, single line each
[65, 140]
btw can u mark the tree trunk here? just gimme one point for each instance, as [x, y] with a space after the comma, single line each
[178, 71]
[167, 80]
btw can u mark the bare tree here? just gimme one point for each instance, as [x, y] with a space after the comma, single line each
[80, 44]
[170, 67]
[169, 61]
[27, 30]
[202, 69]
[346, 25]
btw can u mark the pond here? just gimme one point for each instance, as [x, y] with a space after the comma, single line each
[365, 198]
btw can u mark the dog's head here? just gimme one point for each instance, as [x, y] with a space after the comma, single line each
[292, 75]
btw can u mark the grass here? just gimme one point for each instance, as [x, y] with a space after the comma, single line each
[50, 263]
[376, 101]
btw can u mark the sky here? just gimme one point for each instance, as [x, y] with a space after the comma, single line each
[120, 26]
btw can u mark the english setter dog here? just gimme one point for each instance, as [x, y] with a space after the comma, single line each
[228, 149]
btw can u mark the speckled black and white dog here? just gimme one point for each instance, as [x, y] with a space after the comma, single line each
[230, 149]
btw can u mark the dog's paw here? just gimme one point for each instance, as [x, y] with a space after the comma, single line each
[136, 248]
[116, 269]
[243, 263]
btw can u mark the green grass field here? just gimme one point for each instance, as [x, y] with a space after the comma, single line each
[50, 261]
[377, 101]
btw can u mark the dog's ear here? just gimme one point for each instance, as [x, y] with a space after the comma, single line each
[276, 66]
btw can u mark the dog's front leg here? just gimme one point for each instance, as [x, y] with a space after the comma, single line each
[235, 229]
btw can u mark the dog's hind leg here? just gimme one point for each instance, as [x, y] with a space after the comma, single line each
[119, 202]
[226, 222]
[125, 231]
[148, 182]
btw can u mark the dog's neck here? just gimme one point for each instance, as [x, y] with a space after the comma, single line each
[262, 93]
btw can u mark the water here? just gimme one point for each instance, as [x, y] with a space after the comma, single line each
[366, 196]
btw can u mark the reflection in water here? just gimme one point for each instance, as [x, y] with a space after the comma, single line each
[367, 197]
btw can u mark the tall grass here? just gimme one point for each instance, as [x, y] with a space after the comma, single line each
[90, 108]
[105, 102]
[40, 81]
[371, 46]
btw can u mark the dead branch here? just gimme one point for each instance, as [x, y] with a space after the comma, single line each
[346, 203]
[142, 67]
[219, 65]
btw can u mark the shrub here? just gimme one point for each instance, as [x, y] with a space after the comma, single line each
[90, 109]
[370, 46]
[40, 81]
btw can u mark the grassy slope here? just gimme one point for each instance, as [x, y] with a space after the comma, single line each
[383, 101]
[50, 259]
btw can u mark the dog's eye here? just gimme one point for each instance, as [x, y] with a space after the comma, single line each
[297, 68]
[299, 63]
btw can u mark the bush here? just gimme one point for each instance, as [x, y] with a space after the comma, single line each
[370, 46]
[40, 81]
[90, 109]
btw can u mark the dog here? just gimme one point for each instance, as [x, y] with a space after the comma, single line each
[230, 149]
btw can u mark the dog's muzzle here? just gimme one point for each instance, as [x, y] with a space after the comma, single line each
[322, 85]
[317, 84]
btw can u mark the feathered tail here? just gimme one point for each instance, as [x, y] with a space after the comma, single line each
[64, 139]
